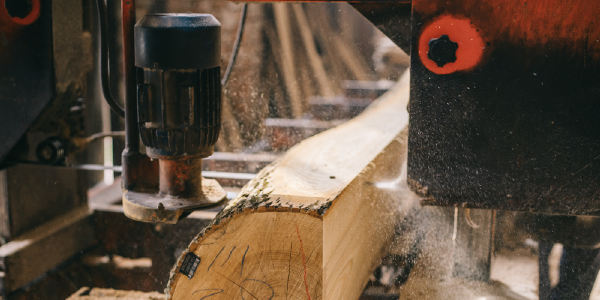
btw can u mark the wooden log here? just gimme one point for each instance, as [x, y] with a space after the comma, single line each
[311, 225]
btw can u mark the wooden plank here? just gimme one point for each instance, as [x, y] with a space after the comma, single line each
[238, 162]
[336, 108]
[322, 29]
[56, 191]
[352, 58]
[32, 254]
[103, 194]
[282, 134]
[311, 225]
[303, 123]
[314, 58]
[366, 89]
[284, 32]
[275, 75]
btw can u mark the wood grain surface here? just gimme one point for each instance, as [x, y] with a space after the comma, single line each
[311, 225]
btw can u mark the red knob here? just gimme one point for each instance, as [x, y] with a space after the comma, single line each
[459, 31]
[23, 12]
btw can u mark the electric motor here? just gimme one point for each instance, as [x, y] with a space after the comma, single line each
[179, 94]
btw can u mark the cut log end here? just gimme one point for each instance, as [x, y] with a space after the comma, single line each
[284, 257]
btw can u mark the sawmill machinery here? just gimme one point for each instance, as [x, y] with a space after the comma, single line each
[172, 82]
[503, 109]
[505, 100]
[178, 116]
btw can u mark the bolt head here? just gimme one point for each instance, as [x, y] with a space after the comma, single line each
[18, 8]
[442, 50]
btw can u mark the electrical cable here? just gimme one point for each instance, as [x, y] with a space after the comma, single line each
[96, 136]
[96, 167]
[469, 220]
[236, 45]
[104, 79]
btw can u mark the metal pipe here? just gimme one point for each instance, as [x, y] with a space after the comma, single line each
[132, 139]
[104, 69]
[180, 177]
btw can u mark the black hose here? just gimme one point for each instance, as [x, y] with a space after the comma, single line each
[236, 45]
[103, 28]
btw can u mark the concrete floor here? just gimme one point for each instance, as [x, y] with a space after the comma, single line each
[514, 273]
[514, 277]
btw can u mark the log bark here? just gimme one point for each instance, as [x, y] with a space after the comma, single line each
[312, 225]
[109, 294]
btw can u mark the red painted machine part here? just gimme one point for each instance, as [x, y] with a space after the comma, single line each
[326, 1]
[459, 30]
[33, 15]
[540, 24]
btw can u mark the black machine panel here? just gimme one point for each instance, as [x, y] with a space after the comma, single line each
[513, 122]
[26, 71]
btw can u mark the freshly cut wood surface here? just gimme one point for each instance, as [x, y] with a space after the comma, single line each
[312, 224]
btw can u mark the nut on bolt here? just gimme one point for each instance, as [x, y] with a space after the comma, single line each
[18, 8]
[442, 50]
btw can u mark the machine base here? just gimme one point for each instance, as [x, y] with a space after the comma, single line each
[157, 208]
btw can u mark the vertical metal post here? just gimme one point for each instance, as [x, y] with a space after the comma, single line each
[139, 173]
[129, 75]
[473, 243]
[180, 178]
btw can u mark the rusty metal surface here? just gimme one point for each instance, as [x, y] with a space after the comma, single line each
[180, 177]
[169, 209]
[512, 124]
[352, 1]
[140, 174]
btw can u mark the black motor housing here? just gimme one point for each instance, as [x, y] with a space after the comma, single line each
[179, 96]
